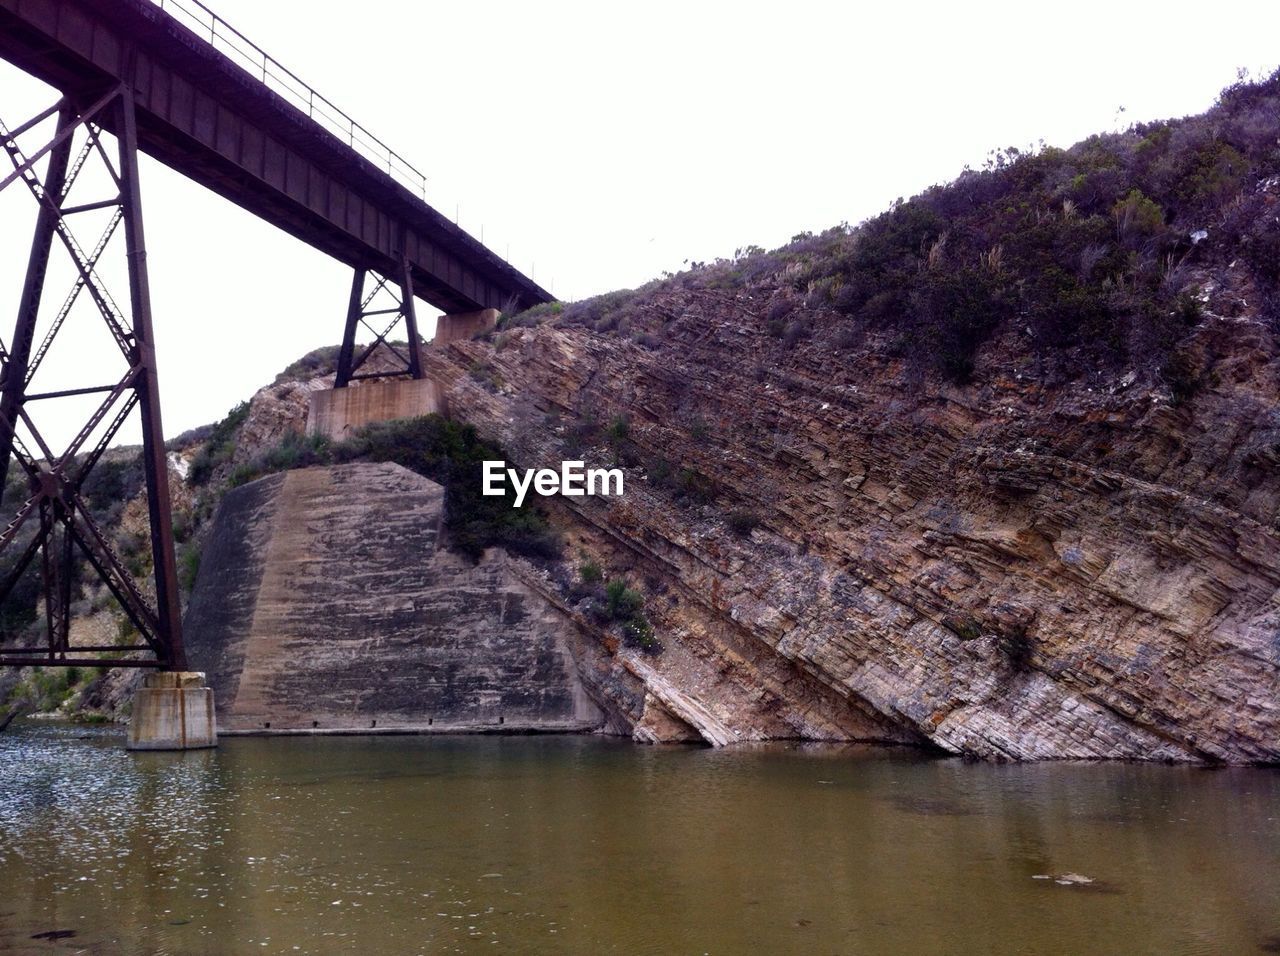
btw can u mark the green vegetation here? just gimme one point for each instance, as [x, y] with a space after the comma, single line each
[294, 451]
[44, 690]
[50, 688]
[188, 567]
[619, 430]
[486, 375]
[742, 523]
[613, 311]
[47, 690]
[316, 362]
[624, 606]
[614, 603]
[90, 717]
[964, 627]
[219, 447]
[529, 317]
[590, 572]
[437, 448]
[684, 484]
[19, 610]
[112, 482]
[1075, 258]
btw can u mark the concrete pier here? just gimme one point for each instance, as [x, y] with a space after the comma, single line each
[338, 412]
[173, 710]
[463, 325]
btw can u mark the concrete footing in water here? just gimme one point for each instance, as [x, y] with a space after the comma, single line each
[173, 710]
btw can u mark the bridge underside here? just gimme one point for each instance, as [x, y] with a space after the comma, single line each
[204, 116]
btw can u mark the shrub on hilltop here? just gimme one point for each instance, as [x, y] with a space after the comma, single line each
[1087, 256]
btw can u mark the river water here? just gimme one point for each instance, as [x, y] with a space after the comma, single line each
[389, 845]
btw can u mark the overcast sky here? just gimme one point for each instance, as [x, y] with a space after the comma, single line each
[603, 143]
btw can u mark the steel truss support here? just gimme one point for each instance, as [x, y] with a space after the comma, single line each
[67, 531]
[365, 306]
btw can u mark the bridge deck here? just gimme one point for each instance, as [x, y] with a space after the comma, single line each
[207, 118]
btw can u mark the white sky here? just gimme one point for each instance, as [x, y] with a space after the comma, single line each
[604, 143]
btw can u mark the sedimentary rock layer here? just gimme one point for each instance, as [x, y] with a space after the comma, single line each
[1010, 570]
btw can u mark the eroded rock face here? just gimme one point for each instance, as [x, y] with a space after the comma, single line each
[1012, 570]
[275, 412]
[325, 602]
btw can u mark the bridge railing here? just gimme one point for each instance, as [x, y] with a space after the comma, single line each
[229, 41]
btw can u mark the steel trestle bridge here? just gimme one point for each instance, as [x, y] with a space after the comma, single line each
[172, 80]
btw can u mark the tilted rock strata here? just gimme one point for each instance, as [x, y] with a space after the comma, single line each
[1006, 571]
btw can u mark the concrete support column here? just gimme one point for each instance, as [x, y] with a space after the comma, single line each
[338, 412]
[173, 710]
[463, 325]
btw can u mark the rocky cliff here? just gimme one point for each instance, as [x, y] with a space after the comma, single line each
[994, 472]
[1003, 570]
[833, 546]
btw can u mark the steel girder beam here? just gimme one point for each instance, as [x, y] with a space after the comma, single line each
[208, 118]
[55, 480]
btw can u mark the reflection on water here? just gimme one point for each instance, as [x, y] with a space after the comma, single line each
[583, 845]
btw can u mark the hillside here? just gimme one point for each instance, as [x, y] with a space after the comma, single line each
[994, 472]
[1058, 263]
[997, 467]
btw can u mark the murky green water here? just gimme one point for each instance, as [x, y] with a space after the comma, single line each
[583, 845]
